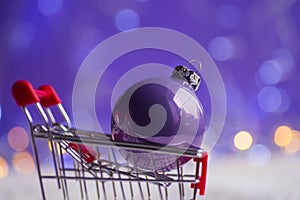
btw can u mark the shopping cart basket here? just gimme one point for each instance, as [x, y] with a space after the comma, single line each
[97, 172]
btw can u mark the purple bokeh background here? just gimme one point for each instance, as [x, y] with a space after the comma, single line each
[46, 41]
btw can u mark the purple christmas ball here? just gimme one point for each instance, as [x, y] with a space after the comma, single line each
[163, 111]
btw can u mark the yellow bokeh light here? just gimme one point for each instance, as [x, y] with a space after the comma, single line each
[23, 163]
[283, 136]
[243, 140]
[3, 168]
[18, 138]
[57, 147]
[294, 145]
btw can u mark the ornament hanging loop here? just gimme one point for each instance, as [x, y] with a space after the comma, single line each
[199, 67]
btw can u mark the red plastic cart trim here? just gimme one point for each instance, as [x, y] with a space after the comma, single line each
[87, 153]
[202, 179]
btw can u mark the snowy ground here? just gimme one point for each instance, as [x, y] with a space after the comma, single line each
[230, 178]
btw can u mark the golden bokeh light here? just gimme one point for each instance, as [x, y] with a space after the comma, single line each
[3, 168]
[57, 148]
[23, 163]
[18, 138]
[294, 145]
[243, 140]
[283, 136]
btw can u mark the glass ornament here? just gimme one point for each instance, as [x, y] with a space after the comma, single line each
[160, 111]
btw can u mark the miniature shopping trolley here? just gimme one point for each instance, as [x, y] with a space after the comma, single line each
[96, 171]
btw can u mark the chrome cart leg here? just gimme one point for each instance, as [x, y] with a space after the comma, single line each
[179, 179]
[83, 175]
[78, 175]
[56, 149]
[148, 188]
[101, 173]
[64, 181]
[119, 175]
[197, 172]
[113, 182]
[154, 169]
[54, 162]
[130, 183]
[38, 167]
[97, 189]
[166, 193]
[96, 181]
[137, 175]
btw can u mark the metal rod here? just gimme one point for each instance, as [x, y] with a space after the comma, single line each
[83, 175]
[64, 172]
[179, 184]
[113, 182]
[56, 151]
[81, 187]
[130, 183]
[64, 114]
[101, 173]
[137, 174]
[197, 172]
[116, 180]
[154, 169]
[50, 115]
[119, 175]
[148, 188]
[54, 162]
[97, 189]
[106, 141]
[181, 178]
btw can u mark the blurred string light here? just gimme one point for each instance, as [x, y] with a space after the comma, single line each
[284, 59]
[269, 99]
[288, 139]
[127, 19]
[21, 36]
[270, 72]
[23, 163]
[243, 140]
[57, 147]
[228, 16]
[4, 169]
[220, 48]
[0, 112]
[259, 155]
[283, 136]
[49, 7]
[18, 138]
[285, 101]
[294, 145]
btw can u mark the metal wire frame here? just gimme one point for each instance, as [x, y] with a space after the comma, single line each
[60, 134]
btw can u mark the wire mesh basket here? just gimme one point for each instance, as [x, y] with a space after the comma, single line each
[96, 170]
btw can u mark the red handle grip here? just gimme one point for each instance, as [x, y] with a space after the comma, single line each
[24, 94]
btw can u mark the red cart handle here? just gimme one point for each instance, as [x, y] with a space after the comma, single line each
[24, 94]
